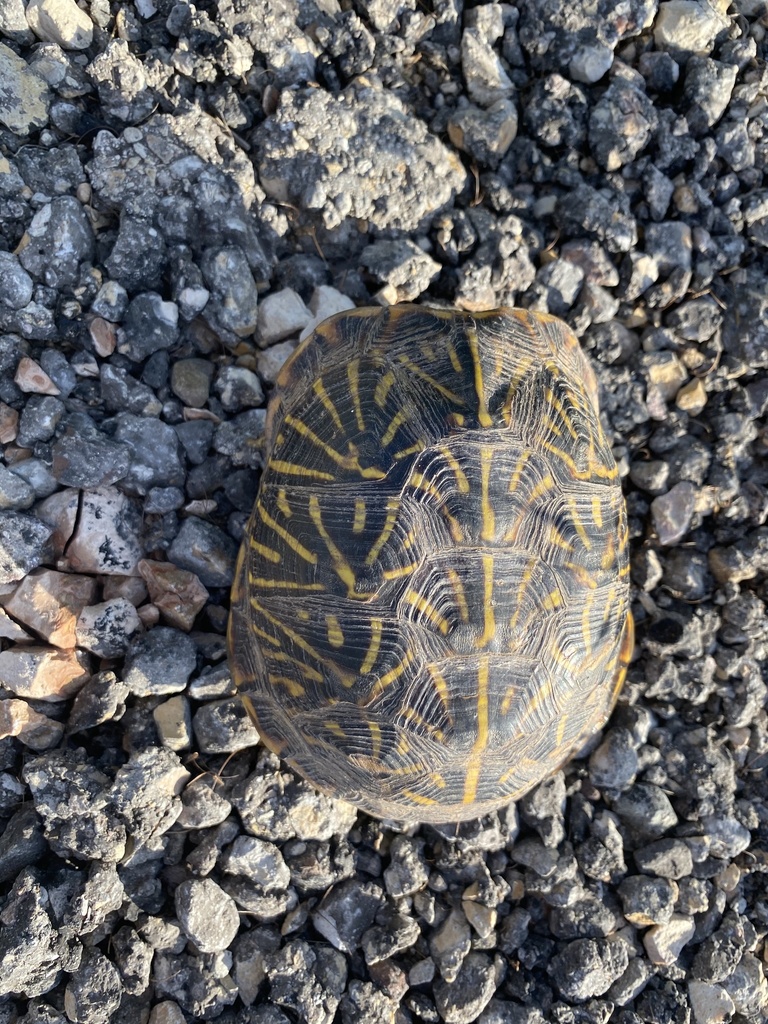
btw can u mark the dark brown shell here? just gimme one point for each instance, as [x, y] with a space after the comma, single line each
[431, 606]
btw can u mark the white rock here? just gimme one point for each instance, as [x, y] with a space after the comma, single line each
[663, 942]
[688, 26]
[590, 63]
[710, 1003]
[105, 628]
[270, 361]
[61, 22]
[325, 302]
[24, 103]
[107, 535]
[281, 314]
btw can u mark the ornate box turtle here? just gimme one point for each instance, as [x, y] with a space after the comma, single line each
[431, 609]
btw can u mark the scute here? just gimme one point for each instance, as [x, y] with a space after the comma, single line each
[431, 610]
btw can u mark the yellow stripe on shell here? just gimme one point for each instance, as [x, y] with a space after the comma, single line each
[481, 742]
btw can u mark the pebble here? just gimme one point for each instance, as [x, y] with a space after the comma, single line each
[271, 360]
[588, 967]
[61, 22]
[687, 26]
[173, 719]
[710, 1004]
[281, 314]
[224, 727]
[325, 302]
[15, 492]
[88, 462]
[207, 915]
[25, 100]
[405, 270]
[107, 535]
[233, 304]
[150, 324]
[614, 763]
[158, 662]
[31, 378]
[673, 512]
[450, 943]
[9, 424]
[58, 239]
[646, 809]
[664, 942]
[49, 603]
[203, 549]
[178, 594]
[486, 134]
[258, 860]
[667, 858]
[191, 381]
[464, 999]
[39, 420]
[238, 388]
[43, 673]
[16, 286]
[34, 730]
[407, 871]
[106, 629]
[95, 989]
[646, 901]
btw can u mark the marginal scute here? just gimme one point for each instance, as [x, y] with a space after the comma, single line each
[431, 610]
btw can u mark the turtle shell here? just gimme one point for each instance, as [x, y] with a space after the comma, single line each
[431, 608]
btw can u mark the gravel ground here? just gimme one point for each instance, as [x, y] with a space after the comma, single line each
[184, 192]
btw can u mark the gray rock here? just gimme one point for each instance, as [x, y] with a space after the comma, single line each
[24, 545]
[315, 152]
[200, 985]
[258, 860]
[207, 915]
[138, 257]
[73, 799]
[667, 858]
[111, 302]
[94, 990]
[463, 1000]
[485, 135]
[307, 980]
[646, 809]
[621, 124]
[614, 764]
[150, 325]
[205, 550]
[32, 952]
[160, 661]
[202, 806]
[22, 843]
[15, 492]
[145, 794]
[238, 388]
[24, 97]
[392, 933]
[106, 629]
[407, 871]
[346, 912]
[647, 901]
[673, 512]
[223, 727]
[121, 81]
[38, 419]
[89, 461]
[588, 967]
[155, 456]
[402, 266]
[133, 957]
[233, 304]
[59, 238]
[191, 381]
[16, 286]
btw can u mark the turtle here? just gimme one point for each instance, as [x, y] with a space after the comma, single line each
[430, 613]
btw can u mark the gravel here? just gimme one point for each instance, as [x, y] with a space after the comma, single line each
[185, 192]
